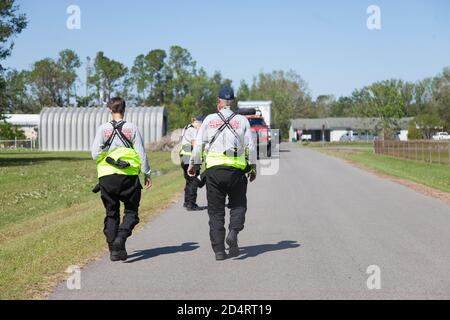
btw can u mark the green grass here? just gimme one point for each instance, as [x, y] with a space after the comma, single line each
[422, 152]
[431, 175]
[352, 145]
[50, 219]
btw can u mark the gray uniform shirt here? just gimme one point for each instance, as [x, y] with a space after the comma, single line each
[189, 134]
[226, 140]
[131, 132]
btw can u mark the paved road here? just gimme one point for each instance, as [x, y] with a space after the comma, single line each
[312, 231]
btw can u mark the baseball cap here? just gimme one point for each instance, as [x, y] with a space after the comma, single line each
[226, 93]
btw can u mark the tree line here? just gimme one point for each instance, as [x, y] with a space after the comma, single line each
[427, 101]
[157, 78]
[173, 79]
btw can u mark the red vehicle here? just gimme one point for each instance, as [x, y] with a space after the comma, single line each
[260, 129]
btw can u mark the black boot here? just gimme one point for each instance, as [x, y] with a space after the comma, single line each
[113, 254]
[232, 241]
[220, 256]
[118, 246]
[193, 207]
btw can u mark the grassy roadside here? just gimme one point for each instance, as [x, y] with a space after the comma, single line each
[430, 175]
[341, 145]
[51, 219]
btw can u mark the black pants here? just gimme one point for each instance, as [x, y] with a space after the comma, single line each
[222, 182]
[116, 189]
[190, 190]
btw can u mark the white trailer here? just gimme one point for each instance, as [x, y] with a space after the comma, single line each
[264, 106]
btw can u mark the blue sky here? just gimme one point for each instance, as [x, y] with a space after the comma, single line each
[326, 42]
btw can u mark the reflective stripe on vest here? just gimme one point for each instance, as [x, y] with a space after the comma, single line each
[214, 159]
[186, 149]
[184, 152]
[125, 154]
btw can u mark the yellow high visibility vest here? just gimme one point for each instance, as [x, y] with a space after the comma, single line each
[125, 154]
[214, 159]
[184, 152]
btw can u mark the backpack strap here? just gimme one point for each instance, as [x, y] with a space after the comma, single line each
[226, 124]
[117, 132]
[186, 128]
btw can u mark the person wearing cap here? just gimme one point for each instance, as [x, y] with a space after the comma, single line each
[230, 162]
[187, 144]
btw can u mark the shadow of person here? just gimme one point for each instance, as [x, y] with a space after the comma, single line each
[253, 251]
[151, 253]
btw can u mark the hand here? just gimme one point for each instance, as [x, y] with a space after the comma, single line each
[148, 183]
[191, 171]
[252, 174]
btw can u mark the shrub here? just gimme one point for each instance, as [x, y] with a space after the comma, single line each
[10, 132]
[413, 132]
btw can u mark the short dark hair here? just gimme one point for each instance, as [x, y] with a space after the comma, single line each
[117, 105]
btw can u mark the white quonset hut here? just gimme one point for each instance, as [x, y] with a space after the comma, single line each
[74, 129]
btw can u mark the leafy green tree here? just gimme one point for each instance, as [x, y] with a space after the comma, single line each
[414, 133]
[323, 105]
[205, 90]
[158, 76]
[10, 132]
[289, 95]
[343, 107]
[382, 100]
[428, 124]
[11, 24]
[244, 91]
[69, 62]
[107, 76]
[141, 77]
[17, 96]
[180, 68]
[441, 97]
[149, 76]
[53, 82]
[47, 83]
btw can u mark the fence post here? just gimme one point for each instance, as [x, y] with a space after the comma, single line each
[417, 151]
[429, 149]
[423, 152]
[405, 149]
[439, 152]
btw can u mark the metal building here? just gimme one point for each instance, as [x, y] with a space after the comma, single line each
[73, 129]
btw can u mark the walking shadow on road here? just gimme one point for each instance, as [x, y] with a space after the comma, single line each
[151, 253]
[253, 251]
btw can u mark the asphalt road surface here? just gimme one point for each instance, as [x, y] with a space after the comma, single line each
[312, 231]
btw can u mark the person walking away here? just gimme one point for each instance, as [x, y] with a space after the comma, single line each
[187, 144]
[118, 149]
[230, 162]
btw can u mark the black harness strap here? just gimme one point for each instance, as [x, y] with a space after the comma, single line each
[117, 132]
[226, 124]
[186, 128]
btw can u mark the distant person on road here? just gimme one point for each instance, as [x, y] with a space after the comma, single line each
[230, 157]
[192, 183]
[119, 151]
